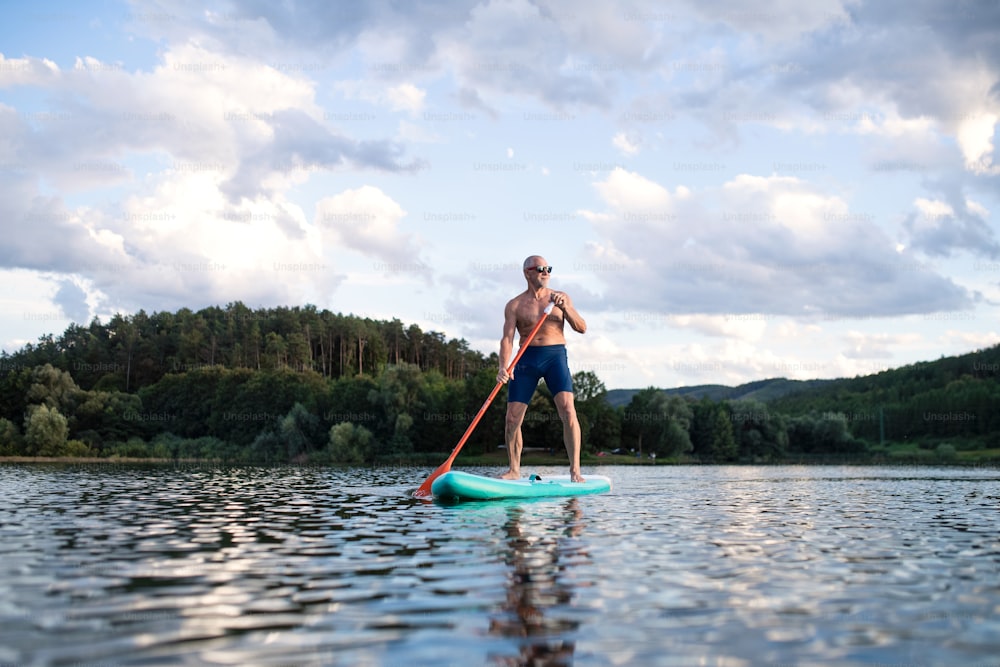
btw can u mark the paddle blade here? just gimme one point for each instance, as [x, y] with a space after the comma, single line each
[425, 489]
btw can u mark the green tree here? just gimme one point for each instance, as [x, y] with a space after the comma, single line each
[722, 443]
[350, 443]
[472, 393]
[297, 431]
[102, 416]
[45, 431]
[53, 387]
[11, 442]
[658, 423]
[826, 433]
[587, 387]
[398, 395]
[275, 351]
[267, 447]
[600, 423]
[761, 435]
[712, 432]
[946, 452]
[299, 352]
[438, 414]
[15, 380]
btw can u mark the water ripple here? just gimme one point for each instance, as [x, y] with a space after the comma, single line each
[310, 566]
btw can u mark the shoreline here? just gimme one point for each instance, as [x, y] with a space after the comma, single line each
[480, 461]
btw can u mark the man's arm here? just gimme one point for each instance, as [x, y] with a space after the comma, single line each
[507, 341]
[574, 318]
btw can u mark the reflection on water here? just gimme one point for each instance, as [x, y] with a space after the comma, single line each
[167, 565]
[538, 559]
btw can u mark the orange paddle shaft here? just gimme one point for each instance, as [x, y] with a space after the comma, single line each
[425, 488]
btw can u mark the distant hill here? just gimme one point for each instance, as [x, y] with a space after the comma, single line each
[945, 376]
[951, 401]
[759, 390]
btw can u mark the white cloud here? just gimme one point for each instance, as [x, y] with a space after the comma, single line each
[953, 339]
[625, 190]
[402, 97]
[975, 136]
[27, 71]
[861, 345]
[759, 245]
[367, 221]
[623, 143]
[893, 125]
[977, 209]
[933, 208]
[744, 326]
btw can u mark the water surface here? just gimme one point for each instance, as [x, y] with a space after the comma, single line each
[163, 565]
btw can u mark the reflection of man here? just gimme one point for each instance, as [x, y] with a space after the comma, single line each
[535, 586]
[545, 357]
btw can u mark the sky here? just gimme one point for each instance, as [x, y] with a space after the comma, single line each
[728, 192]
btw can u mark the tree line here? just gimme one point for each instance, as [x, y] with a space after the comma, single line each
[301, 384]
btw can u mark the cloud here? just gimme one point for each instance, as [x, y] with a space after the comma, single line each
[255, 123]
[975, 136]
[44, 234]
[625, 144]
[178, 244]
[402, 97]
[191, 162]
[772, 245]
[493, 50]
[72, 301]
[777, 20]
[748, 326]
[299, 144]
[367, 221]
[861, 345]
[330, 27]
[896, 72]
[942, 228]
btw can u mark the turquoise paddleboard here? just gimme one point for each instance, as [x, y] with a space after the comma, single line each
[465, 486]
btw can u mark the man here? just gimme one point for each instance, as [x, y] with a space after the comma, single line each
[545, 357]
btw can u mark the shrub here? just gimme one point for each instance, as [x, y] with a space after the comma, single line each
[77, 448]
[945, 452]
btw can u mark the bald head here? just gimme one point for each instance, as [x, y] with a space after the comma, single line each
[534, 260]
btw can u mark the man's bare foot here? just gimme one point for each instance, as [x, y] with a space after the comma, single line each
[576, 476]
[510, 474]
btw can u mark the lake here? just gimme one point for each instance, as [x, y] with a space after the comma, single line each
[714, 565]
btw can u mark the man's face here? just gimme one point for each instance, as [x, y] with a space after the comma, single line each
[536, 277]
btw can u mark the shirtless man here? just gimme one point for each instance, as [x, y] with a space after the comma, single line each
[545, 357]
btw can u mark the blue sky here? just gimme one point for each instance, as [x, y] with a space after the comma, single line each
[729, 193]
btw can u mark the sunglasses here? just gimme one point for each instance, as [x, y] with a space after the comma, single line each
[541, 269]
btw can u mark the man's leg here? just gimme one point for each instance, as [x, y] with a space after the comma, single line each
[571, 431]
[512, 438]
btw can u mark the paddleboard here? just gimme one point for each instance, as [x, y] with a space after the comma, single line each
[466, 486]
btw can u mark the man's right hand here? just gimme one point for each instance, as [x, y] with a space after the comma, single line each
[503, 376]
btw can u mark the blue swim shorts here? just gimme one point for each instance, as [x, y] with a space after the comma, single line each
[540, 361]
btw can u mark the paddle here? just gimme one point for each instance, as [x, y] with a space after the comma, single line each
[425, 488]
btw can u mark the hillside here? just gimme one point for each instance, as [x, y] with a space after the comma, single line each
[290, 384]
[932, 384]
[759, 390]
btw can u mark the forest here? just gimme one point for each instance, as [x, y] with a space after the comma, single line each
[306, 385]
